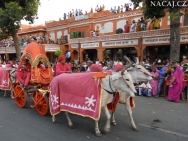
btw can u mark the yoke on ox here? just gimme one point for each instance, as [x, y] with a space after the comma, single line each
[82, 95]
[40, 79]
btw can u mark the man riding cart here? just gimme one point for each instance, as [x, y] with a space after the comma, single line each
[23, 73]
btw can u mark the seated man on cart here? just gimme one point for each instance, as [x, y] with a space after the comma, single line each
[23, 72]
[62, 66]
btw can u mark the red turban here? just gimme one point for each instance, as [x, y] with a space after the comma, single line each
[24, 59]
[62, 57]
[118, 67]
[96, 68]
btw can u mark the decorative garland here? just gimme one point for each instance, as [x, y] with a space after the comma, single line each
[26, 56]
[37, 60]
[40, 58]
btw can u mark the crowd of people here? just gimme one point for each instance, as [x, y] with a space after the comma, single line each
[7, 43]
[142, 25]
[170, 79]
[77, 12]
[24, 41]
[121, 8]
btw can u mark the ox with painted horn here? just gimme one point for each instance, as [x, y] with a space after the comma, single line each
[138, 74]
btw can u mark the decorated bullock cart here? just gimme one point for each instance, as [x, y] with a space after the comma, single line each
[39, 81]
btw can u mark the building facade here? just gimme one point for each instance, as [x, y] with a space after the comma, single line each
[149, 43]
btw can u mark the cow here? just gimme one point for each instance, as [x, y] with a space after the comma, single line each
[138, 74]
[118, 82]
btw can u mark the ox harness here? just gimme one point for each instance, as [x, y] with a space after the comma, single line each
[114, 93]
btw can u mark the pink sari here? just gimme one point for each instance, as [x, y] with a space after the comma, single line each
[176, 89]
[154, 83]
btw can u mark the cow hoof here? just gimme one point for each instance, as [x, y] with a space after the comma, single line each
[113, 123]
[71, 127]
[55, 122]
[135, 129]
[98, 133]
[106, 130]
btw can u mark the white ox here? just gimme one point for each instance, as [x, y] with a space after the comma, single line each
[119, 82]
[138, 74]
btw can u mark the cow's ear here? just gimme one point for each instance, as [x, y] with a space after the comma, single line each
[116, 76]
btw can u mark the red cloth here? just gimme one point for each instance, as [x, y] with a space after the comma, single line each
[24, 60]
[185, 78]
[168, 81]
[77, 93]
[96, 68]
[113, 105]
[4, 79]
[62, 68]
[118, 67]
[62, 57]
[23, 75]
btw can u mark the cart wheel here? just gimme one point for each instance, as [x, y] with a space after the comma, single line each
[20, 96]
[42, 107]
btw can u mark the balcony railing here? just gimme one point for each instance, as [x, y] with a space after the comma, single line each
[10, 50]
[141, 34]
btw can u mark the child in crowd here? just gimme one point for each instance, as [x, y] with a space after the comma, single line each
[145, 89]
[184, 90]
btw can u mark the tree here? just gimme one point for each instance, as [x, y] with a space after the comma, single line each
[58, 53]
[156, 8]
[11, 14]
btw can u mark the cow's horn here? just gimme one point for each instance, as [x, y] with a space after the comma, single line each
[127, 59]
[137, 60]
[128, 66]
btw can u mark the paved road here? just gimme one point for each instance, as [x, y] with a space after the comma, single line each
[18, 124]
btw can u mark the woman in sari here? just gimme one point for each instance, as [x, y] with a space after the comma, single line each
[126, 27]
[154, 82]
[175, 87]
[138, 26]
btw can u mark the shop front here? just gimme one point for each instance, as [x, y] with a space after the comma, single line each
[50, 51]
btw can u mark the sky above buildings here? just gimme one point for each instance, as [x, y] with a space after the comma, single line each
[54, 9]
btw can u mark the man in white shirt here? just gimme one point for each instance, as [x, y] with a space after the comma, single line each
[145, 89]
[89, 63]
[68, 55]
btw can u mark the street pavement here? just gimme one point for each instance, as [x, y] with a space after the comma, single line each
[25, 124]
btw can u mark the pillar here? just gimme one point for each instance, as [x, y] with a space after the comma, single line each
[142, 53]
[100, 54]
[7, 56]
[139, 52]
[55, 36]
[81, 55]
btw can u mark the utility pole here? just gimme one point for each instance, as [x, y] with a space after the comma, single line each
[79, 46]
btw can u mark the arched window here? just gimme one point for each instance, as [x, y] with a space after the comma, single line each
[59, 34]
[121, 24]
[108, 27]
[65, 32]
[52, 34]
